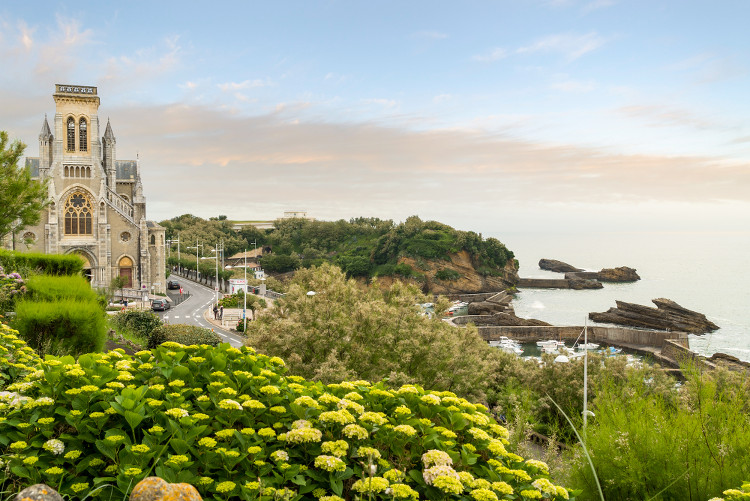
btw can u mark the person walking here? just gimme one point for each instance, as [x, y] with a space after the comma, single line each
[216, 312]
[221, 313]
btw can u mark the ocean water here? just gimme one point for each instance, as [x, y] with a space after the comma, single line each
[708, 272]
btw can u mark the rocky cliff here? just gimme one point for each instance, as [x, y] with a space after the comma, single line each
[667, 315]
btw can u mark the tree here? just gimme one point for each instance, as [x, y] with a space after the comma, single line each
[118, 283]
[21, 197]
[350, 331]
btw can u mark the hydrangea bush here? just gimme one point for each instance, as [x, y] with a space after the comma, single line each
[229, 422]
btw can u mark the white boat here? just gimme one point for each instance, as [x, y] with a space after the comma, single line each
[588, 346]
[550, 342]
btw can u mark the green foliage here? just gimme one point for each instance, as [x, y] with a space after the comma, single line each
[206, 268]
[140, 323]
[184, 334]
[65, 326]
[48, 264]
[347, 330]
[234, 425]
[21, 197]
[51, 288]
[17, 359]
[447, 274]
[12, 287]
[687, 443]
[280, 263]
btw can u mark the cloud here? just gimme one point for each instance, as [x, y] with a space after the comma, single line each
[598, 4]
[143, 65]
[244, 85]
[665, 116]
[493, 55]
[570, 45]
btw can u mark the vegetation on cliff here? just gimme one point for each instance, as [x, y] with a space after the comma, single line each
[362, 247]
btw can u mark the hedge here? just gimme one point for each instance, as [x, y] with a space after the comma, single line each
[184, 334]
[51, 288]
[64, 326]
[49, 264]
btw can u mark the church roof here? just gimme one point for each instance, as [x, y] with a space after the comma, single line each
[33, 165]
[108, 134]
[127, 170]
[154, 225]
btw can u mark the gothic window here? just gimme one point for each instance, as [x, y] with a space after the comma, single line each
[153, 239]
[124, 236]
[29, 236]
[82, 135]
[71, 134]
[78, 214]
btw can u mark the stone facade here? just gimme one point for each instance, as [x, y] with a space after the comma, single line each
[97, 207]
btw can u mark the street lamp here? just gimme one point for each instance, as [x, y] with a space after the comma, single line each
[197, 272]
[216, 278]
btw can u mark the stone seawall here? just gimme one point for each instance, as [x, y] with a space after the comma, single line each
[469, 298]
[543, 283]
[616, 336]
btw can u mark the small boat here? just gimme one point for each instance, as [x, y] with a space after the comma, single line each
[588, 346]
[550, 342]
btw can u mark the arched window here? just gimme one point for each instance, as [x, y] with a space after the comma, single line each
[71, 134]
[153, 239]
[125, 266]
[83, 137]
[78, 214]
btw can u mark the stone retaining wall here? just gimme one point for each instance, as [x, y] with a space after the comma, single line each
[618, 336]
[543, 283]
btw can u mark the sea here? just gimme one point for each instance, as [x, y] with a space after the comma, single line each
[708, 272]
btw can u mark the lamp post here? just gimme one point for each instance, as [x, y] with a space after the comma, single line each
[197, 272]
[175, 241]
[244, 296]
[216, 278]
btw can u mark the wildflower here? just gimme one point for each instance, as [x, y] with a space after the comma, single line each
[544, 486]
[350, 404]
[280, 456]
[448, 484]
[540, 466]
[278, 409]
[205, 481]
[408, 389]
[140, 448]
[253, 404]
[340, 417]
[327, 398]
[54, 471]
[201, 417]
[483, 495]
[529, 494]
[480, 483]
[72, 455]
[76, 412]
[115, 439]
[435, 457]
[431, 474]
[405, 429]
[254, 449]
[503, 488]
[303, 435]
[108, 410]
[402, 410]
[81, 486]
[520, 475]
[562, 492]
[202, 398]
[370, 484]
[270, 390]
[338, 448]
[222, 434]
[176, 413]
[301, 423]
[306, 401]
[430, 399]
[131, 472]
[376, 418]
[77, 372]
[207, 442]
[31, 460]
[229, 404]
[54, 446]
[478, 434]
[177, 459]
[228, 391]
[93, 463]
[251, 486]
[277, 361]
[329, 463]
[402, 491]
[156, 430]
[228, 453]
[497, 448]
[267, 433]
[43, 401]
[247, 431]
[331, 498]
[97, 415]
[355, 431]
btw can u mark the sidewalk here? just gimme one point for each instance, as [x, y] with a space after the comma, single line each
[229, 322]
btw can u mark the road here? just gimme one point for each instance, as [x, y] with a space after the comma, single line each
[191, 311]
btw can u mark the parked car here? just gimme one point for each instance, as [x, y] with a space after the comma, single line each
[173, 284]
[160, 305]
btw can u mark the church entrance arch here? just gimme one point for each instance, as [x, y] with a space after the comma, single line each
[125, 267]
[88, 267]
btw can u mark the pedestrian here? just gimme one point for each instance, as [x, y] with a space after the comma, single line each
[216, 312]
[221, 313]
[180, 291]
[125, 303]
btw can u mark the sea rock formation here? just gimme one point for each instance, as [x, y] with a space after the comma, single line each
[620, 274]
[486, 308]
[500, 318]
[667, 315]
[558, 266]
[583, 283]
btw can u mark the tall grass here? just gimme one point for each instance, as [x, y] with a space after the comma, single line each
[51, 288]
[688, 444]
[37, 262]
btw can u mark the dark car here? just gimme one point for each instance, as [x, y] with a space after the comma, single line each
[172, 284]
[160, 305]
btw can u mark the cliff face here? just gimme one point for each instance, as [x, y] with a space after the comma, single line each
[470, 281]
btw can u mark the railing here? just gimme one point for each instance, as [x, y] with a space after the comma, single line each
[120, 205]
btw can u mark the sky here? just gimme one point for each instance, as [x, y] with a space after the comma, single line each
[494, 116]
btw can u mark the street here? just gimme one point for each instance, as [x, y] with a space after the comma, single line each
[191, 311]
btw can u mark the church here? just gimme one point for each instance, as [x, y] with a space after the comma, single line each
[97, 208]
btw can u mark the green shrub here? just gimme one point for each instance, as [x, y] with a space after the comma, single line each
[230, 422]
[447, 274]
[184, 334]
[52, 288]
[140, 323]
[17, 359]
[49, 264]
[65, 326]
[12, 288]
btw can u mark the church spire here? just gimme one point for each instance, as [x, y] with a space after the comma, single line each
[46, 132]
[108, 134]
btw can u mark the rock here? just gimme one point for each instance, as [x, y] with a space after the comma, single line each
[156, 489]
[667, 316]
[504, 319]
[621, 274]
[579, 284]
[38, 492]
[485, 308]
[555, 265]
